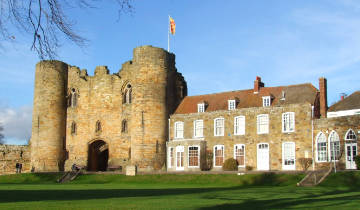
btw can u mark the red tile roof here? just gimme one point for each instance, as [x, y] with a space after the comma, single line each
[302, 93]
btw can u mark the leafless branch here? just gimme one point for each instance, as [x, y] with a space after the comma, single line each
[46, 21]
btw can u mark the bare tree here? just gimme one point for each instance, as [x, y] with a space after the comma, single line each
[46, 22]
[1, 135]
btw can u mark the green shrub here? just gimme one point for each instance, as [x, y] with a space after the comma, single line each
[230, 165]
[357, 161]
[249, 168]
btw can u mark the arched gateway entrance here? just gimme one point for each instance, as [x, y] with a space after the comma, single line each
[98, 156]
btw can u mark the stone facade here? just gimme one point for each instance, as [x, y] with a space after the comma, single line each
[105, 120]
[340, 125]
[309, 108]
[275, 137]
[12, 154]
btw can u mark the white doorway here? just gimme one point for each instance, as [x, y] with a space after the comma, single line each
[288, 156]
[263, 156]
[180, 158]
[351, 152]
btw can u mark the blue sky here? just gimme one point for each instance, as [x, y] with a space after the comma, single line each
[219, 46]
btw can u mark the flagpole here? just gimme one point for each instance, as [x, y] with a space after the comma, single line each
[169, 34]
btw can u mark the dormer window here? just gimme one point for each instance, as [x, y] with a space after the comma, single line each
[266, 101]
[282, 95]
[201, 107]
[231, 104]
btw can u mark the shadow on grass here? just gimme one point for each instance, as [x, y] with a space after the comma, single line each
[306, 199]
[285, 203]
[60, 195]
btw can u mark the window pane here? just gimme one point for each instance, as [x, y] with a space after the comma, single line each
[219, 127]
[219, 152]
[179, 130]
[289, 153]
[240, 154]
[193, 156]
[263, 124]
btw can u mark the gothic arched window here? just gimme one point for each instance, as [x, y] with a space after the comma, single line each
[73, 98]
[127, 94]
[73, 128]
[350, 135]
[98, 126]
[334, 146]
[124, 126]
[321, 148]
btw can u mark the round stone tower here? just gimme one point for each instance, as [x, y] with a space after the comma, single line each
[49, 116]
[149, 109]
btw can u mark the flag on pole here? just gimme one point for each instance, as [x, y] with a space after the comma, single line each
[172, 25]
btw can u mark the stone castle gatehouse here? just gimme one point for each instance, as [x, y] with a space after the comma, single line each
[104, 121]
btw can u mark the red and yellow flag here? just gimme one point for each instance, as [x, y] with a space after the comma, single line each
[172, 25]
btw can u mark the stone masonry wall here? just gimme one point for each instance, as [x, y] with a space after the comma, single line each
[341, 126]
[275, 137]
[12, 154]
[154, 80]
[49, 116]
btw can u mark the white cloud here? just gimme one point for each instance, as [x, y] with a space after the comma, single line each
[17, 124]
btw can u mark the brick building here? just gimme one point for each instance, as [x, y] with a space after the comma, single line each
[142, 116]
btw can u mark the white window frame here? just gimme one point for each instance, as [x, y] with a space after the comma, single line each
[178, 133]
[221, 128]
[179, 149]
[347, 133]
[198, 156]
[288, 167]
[333, 134]
[201, 107]
[170, 162]
[223, 155]
[235, 155]
[265, 123]
[288, 122]
[266, 101]
[323, 140]
[199, 123]
[231, 104]
[239, 125]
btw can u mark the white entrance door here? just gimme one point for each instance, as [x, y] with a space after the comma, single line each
[288, 156]
[180, 158]
[263, 156]
[351, 152]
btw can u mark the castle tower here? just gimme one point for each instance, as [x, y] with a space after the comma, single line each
[150, 107]
[49, 116]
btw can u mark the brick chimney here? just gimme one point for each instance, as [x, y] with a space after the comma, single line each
[258, 84]
[323, 96]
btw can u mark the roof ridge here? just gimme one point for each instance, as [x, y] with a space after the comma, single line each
[308, 83]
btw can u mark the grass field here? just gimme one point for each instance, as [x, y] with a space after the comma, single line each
[260, 191]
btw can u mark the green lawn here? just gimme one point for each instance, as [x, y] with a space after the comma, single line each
[262, 191]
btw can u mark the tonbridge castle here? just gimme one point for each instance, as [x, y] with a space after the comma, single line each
[142, 116]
